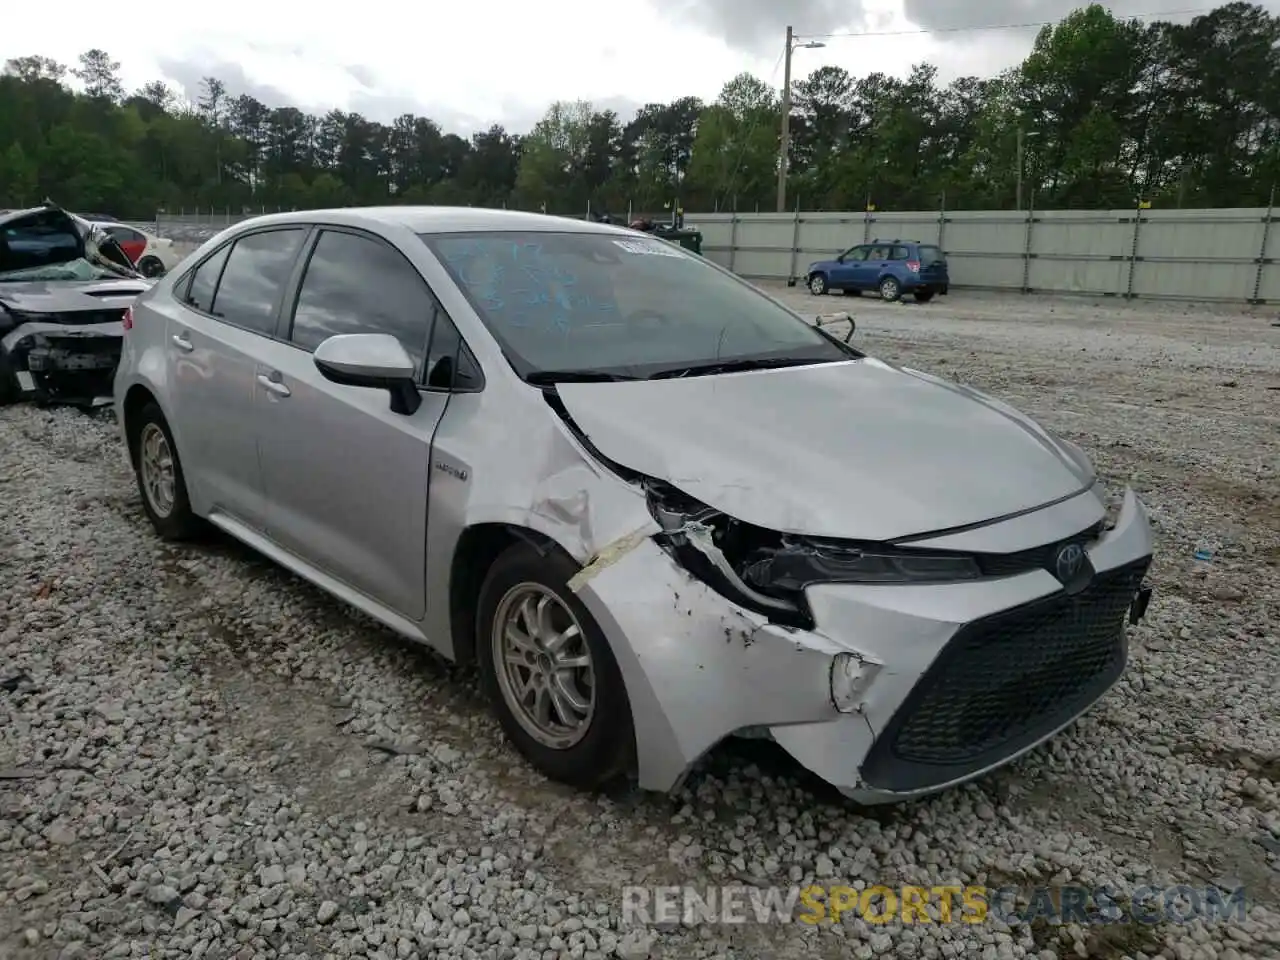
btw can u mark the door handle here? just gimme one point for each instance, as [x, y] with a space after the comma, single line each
[182, 343]
[273, 384]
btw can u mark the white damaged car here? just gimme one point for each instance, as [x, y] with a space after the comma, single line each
[64, 287]
[657, 508]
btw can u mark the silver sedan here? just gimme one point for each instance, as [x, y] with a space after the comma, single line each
[656, 508]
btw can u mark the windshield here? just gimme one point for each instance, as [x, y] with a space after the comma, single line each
[632, 307]
[930, 255]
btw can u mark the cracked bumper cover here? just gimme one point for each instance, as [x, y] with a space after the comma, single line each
[64, 362]
[699, 668]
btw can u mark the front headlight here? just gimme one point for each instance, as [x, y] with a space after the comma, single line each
[768, 572]
[801, 563]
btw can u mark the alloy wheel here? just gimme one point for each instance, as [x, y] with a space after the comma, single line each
[543, 665]
[156, 464]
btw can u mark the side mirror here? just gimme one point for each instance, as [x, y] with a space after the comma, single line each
[374, 360]
[840, 258]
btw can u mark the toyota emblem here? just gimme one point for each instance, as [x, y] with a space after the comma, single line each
[1069, 560]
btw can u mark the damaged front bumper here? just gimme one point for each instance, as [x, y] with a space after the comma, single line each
[63, 363]
[898, 690]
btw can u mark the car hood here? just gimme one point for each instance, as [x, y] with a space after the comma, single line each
[68, 296]
[858, 449]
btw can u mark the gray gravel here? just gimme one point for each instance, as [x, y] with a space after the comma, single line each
[204, 757]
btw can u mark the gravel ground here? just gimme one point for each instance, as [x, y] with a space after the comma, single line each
[202, 756]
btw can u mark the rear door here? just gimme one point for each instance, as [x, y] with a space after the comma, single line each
[875, 266]
[346, 479]
[228, 313]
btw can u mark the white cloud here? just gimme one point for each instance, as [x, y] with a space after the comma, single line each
[470, 65]
[490, 62]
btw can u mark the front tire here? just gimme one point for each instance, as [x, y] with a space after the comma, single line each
[545, 663]
[890, 289]
[161, 482]
[818, 284]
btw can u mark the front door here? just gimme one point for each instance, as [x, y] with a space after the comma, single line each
[346, 479]
[219, 327]
[844, 276]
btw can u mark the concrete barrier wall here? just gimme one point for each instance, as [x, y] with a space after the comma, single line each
[1229, 255]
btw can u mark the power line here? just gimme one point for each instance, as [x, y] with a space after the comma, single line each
[990, 26]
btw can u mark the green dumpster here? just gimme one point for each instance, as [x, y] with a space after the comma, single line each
[689, 239]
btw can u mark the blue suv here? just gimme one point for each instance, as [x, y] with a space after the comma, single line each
[889, 267]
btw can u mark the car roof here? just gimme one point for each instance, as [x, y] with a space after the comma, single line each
[440, 220]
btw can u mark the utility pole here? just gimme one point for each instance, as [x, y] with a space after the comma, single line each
[1021, 151]
[784, 148]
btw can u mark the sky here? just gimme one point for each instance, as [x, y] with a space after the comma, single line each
[387, 57]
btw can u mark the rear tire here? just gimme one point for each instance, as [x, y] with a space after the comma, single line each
[923, 296]
[161, 482]
[9, 389]
[599, 748]
[890, 290]
[818, 284]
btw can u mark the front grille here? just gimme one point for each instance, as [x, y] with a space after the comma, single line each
[70, 317]
[1004, 682]
[96, 316]
[1035, 558]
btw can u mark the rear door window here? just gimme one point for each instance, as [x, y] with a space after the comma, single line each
[879, 252]
[900, 253]
[254, 279]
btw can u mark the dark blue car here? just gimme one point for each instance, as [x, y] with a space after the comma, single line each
[891, 268]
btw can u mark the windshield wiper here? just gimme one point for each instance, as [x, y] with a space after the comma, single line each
[543, 378]
[734, 366]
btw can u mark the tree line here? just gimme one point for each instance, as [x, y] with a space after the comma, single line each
[1103, 113]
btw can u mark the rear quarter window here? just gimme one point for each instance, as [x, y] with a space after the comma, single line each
[205, 280]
